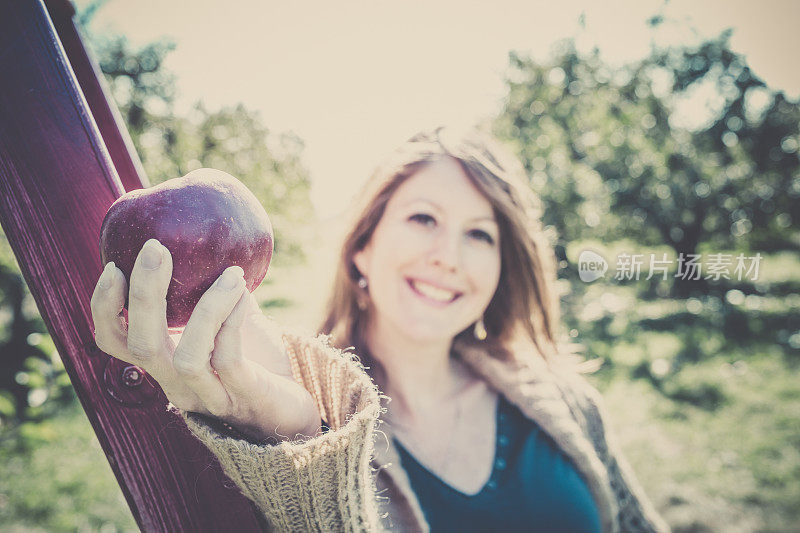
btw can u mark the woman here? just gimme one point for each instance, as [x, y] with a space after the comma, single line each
[445, 289]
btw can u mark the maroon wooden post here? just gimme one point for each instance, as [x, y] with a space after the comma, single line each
[95, 90]
[56, 183]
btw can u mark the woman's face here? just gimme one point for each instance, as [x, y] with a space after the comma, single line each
[433, 261]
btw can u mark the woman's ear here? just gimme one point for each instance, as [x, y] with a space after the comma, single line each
[361, 260]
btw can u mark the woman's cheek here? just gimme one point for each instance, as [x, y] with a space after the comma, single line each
[484, 259]
[408, 241]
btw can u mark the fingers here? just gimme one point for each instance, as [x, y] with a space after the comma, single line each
[263, 344]
[228, 357]
[191, 359]
[147, 302]
[107, 302]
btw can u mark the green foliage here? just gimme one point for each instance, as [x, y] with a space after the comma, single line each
[54, 477]
[610, 160]
[704, 394]
[735, 467]
[33, 382]
[141, 87]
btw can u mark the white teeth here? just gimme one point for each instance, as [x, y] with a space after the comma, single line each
[434, 293]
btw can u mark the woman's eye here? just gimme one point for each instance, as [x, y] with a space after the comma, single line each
[422, 218]
[481, 235]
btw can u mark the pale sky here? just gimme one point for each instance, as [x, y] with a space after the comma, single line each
[356, 78]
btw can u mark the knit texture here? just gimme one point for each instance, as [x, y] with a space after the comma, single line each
[636, 512]
[320, 484]
[326, 483]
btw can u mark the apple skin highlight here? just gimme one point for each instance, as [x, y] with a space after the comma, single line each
[208, 220]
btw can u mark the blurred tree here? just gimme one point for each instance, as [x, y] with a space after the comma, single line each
[612, 153]
[15, 347]
[143, 90]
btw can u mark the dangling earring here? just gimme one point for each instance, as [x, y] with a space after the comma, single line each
[480, 330]
[360, 298]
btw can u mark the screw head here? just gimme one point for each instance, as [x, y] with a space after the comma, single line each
[132, 376]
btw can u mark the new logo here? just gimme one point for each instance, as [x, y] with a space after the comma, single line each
[591, 266]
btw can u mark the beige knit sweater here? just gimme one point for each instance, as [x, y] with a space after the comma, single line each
[350, 478]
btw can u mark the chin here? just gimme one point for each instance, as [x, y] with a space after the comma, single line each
[428, 332]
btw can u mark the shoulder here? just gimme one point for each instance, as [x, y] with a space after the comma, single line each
[584, 400]
[636, 512]
[574, 383]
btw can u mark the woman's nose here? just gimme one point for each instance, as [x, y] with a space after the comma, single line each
[445, 252]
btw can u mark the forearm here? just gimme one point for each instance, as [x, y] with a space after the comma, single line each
[324, 483]
[321, 483]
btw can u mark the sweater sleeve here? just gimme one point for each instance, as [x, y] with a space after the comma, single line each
[324, 483]
[636, 512]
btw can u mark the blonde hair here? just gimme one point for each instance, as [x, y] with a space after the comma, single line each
[525, 305]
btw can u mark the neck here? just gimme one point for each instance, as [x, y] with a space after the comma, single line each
[419, 377]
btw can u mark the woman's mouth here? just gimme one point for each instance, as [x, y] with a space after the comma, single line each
[432, 293]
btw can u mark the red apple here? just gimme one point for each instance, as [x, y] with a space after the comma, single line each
[208, 220]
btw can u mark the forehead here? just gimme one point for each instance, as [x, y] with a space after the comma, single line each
[445, 184]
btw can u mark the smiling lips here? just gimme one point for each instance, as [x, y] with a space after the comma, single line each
[433, 293]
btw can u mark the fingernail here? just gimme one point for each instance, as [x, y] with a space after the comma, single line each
[107, 276]
[151, 256]
[230, 278]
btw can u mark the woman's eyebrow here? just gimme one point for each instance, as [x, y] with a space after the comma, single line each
[423, 200]
[488, 218]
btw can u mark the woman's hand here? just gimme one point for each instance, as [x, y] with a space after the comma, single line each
[211, 368]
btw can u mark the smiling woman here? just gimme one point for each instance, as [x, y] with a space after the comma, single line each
[479, 218]
[431, 264]
[445, 291]
[445, 287]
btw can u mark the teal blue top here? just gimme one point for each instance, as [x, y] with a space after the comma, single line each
[533, 487]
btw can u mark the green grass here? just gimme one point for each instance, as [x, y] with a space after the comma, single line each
[54, 477]
[735, 467]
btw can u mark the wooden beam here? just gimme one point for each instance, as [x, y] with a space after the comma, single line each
[98, 96]
[56, 182]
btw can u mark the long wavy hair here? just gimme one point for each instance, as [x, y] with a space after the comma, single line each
[525, 305]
